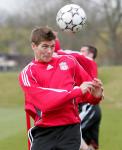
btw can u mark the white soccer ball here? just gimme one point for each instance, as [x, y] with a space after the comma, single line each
[71, 18]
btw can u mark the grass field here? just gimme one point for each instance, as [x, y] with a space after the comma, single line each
[12, 116]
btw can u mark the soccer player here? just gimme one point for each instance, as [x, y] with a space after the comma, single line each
[53, 86]
[90, 114]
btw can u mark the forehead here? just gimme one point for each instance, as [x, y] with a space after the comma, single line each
[84, 48]
[48, 42]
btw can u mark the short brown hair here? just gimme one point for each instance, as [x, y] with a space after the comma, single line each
[40, 34]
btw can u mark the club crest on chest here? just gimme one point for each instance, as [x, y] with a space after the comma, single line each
[63, 66]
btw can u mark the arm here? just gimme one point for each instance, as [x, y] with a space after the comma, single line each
[90, 68]
[94, 89]
[46, 99]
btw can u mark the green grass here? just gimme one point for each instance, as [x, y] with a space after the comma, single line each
[14, 142]
[12, 116]
[110, 130]
[112, 79]
[10, 92]
[12, 129]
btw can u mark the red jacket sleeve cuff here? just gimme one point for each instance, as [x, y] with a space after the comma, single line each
[92, 99]
[76, 92]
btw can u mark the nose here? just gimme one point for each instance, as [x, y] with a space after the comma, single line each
[49, 50]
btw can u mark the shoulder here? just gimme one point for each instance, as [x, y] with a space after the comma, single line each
[66, 60]
[28, 68]
[64, 57]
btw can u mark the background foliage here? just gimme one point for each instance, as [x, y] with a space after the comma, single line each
[103, 28]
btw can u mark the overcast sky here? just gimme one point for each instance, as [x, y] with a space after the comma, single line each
[10, 5]
[13, 5]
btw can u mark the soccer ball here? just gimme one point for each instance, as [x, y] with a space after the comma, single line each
[71, 18]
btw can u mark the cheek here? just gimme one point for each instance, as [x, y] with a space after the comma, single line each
[84, 53]
[38, 53]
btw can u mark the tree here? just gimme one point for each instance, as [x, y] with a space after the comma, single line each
[113, 19]
[106, 25]
[103, 28]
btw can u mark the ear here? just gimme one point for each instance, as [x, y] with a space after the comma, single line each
[33, 45]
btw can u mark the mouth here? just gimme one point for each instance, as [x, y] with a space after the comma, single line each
[47, 56]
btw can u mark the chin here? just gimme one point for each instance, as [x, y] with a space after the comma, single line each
[47, 60]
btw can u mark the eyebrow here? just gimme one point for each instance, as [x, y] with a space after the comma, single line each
[47, 45]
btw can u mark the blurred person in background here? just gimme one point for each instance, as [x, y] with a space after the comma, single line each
[90, 114]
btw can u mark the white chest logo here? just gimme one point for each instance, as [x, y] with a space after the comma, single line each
[63, 66]
[49, 67]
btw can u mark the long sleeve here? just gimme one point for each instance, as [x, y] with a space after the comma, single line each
[46, 99]
[81, 76]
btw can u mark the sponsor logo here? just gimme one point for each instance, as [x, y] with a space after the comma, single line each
[49, 67]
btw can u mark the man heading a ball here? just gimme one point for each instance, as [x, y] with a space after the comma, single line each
[53, 86]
